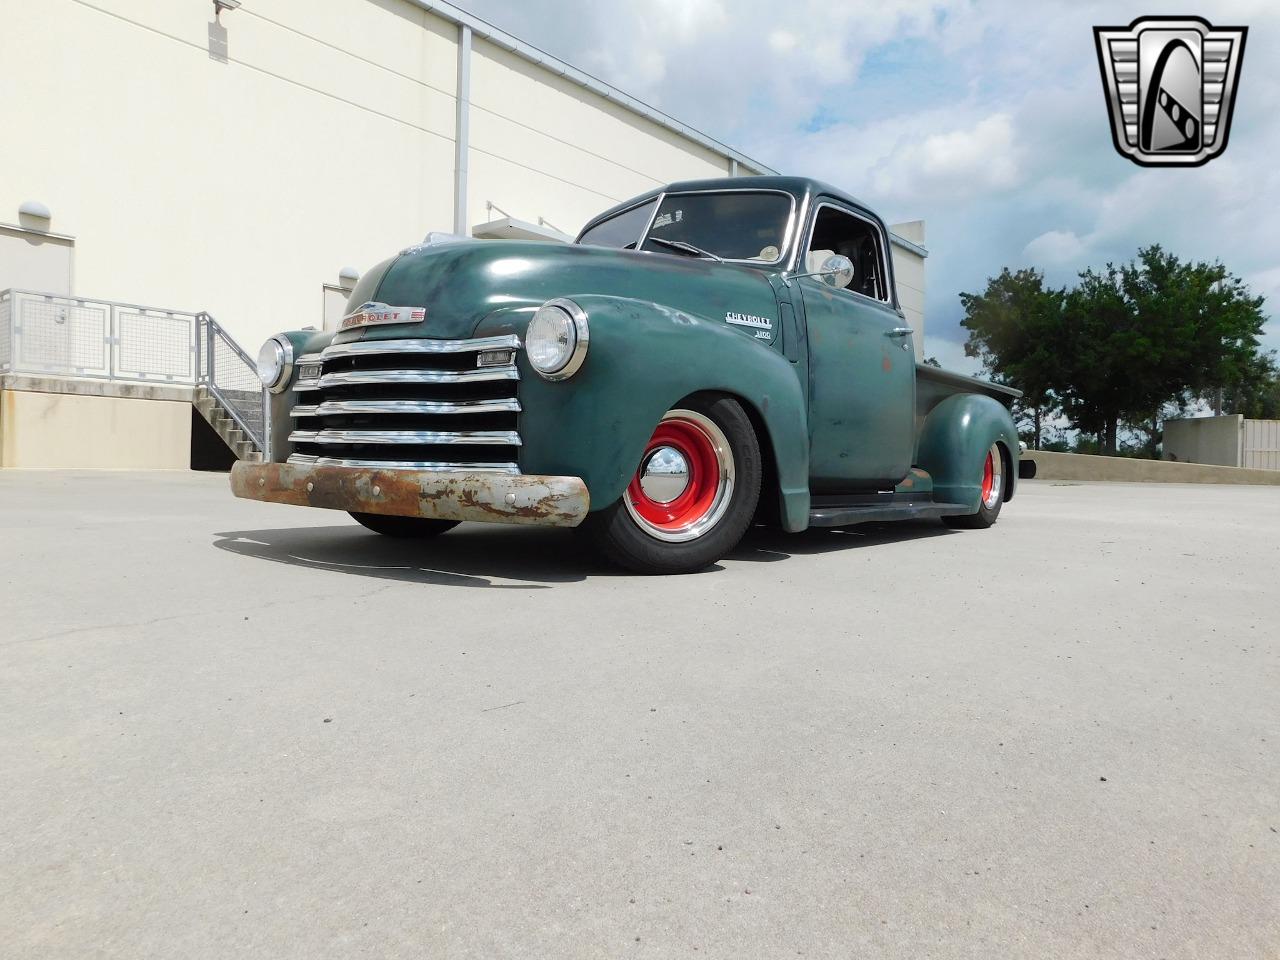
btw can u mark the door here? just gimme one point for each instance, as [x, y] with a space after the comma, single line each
[30, 260]
[862, 361]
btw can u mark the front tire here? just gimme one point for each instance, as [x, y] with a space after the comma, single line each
[992, 495]
[692, 496]
[403, 528]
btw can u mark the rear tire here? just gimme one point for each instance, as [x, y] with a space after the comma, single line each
[992, 495]
[403, 528]
[659, 526]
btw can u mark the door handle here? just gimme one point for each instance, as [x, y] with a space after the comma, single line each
[899, 332]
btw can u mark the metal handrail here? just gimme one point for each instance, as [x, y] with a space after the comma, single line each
[56, 334]
[209, 332]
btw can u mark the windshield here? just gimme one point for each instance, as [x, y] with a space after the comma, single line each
[621, 231]
[729, 225]
[736, 225]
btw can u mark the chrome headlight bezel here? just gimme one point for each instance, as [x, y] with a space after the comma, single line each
[275, 363]
[575, 319]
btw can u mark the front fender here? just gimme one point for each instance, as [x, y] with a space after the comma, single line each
[644, 358]
[954, 442]
[279, 423]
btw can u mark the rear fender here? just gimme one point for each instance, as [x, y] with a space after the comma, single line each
[954, 442]
[642, 360]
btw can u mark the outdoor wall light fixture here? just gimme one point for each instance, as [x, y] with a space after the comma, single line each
[347, 277]
[36, 209]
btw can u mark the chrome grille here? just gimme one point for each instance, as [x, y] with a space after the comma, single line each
[411, 404]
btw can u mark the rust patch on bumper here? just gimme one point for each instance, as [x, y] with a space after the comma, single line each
[436, 495]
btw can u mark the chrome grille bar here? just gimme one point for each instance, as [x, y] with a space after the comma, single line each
[409, 398]
[364, 348]
[444, 466]
[507, 438]
[355, 378]
[334, 408]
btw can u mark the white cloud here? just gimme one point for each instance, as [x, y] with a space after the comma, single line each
[950, 353]
[783, 41]
[1054, 247]
[1266, 282]
[985, 119]
[978, 158]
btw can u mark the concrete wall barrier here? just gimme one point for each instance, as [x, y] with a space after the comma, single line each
[96, 425]
[1080, 466]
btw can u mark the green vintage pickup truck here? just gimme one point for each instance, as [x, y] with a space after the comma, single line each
[705, 356]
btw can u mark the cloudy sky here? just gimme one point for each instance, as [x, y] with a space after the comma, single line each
[985, 118]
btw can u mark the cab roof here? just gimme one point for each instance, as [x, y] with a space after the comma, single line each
[798, 187]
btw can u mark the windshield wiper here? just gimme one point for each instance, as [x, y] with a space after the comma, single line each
[688, 248]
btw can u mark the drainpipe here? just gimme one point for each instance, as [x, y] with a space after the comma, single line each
[462, 131]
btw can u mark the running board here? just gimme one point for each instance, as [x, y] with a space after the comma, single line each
[875, 512]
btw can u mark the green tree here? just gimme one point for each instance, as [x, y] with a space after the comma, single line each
[1255, 392]
[1015, 328]
[1152, 332]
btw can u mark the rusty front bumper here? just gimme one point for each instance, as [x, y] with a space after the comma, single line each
[436, 495]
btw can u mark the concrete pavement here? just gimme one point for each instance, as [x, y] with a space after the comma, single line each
[232, 729]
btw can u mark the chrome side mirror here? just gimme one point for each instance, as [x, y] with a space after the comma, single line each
[837, 271]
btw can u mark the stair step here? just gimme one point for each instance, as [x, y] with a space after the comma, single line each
[237, 441]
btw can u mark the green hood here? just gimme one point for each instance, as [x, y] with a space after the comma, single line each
[460, 283]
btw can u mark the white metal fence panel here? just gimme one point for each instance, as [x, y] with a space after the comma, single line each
[61, 335]
[1260, 446]
[6, 330]
[155, 345]
[46, 333]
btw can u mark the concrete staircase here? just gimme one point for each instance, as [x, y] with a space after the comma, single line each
[225, 426]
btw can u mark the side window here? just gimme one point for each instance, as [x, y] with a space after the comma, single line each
[835, 231]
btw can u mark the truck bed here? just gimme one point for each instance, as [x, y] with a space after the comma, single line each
[933, 385]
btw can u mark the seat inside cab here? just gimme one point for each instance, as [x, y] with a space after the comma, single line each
[837, 232]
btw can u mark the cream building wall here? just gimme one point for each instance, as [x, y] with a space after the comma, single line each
[46, 429]
[237, 166]
[908, 276]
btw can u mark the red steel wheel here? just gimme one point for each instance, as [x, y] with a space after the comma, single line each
[691, 498]
[992, 478]
[991, 494]
[685, 480]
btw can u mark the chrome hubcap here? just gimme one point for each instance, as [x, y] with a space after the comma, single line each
[664, 475]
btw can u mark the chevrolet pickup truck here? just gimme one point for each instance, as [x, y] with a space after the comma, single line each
[708, 355]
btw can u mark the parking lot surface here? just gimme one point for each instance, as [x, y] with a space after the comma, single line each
[234, 729]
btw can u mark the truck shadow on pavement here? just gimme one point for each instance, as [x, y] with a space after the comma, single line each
[477, 555]
[768, 545]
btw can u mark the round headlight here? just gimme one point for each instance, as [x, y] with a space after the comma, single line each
[556, 340]
[275, 363]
